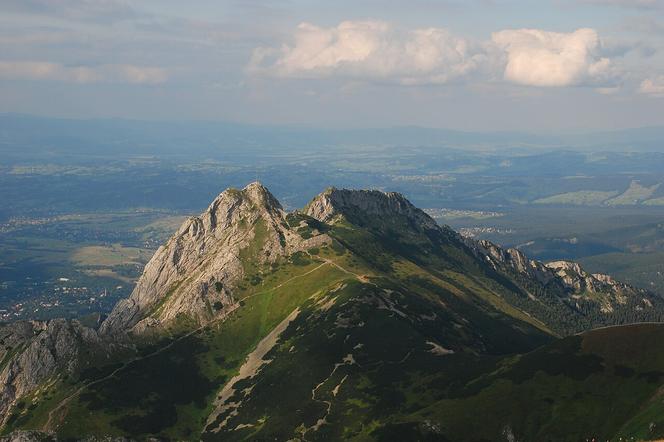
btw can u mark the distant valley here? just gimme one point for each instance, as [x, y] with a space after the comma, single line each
[62, 199]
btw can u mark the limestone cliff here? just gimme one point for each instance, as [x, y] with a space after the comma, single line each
[565, 278]
[357, 204]
[36, 351]
[194, 274]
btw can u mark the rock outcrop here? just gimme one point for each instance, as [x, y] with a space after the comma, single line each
[36, 351]
[355, 204]
[579, 281]
[511, 259]
[568, 279]
[29, 436]
[194, 274]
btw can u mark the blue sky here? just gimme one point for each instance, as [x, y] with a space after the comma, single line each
[473, 65]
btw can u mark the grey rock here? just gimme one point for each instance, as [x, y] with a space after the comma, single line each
[41, 351]
[334, 202]
[28, 436]
[565, 277]
[201, 265]
[513, 259]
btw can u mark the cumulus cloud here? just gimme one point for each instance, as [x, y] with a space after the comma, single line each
[540, 58]
[653, 86]
[372, 50]
[378, 51]
[109, 73]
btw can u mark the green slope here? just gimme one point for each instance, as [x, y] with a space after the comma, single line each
[601, 385]
[170, 392]
[388, 332]
[597, 385]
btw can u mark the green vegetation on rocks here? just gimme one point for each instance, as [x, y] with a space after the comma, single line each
[367, 321]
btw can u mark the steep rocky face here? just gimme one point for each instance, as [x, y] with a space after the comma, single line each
[510, 258]
[578, 280]
[356, 204]
[193, 275]
[37, 351]
[565, 279]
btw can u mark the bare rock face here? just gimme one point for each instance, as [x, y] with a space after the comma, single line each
[578, 280]
[28, 436]
[37, 351]
[194, 274]
[334, 202]
[514, 259]
[568, 277]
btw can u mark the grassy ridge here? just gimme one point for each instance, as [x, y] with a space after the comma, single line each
[401, 332]
[575, 389]
[145, 398]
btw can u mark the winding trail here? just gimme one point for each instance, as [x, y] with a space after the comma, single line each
[347, 360]
[264, 292]
[235, 306]
[126, 364]
[361, 278]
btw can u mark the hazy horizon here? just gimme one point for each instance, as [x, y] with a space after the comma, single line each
[321, 127]
[481, 65]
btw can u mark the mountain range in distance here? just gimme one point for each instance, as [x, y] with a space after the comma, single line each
[44, 135]
[357, 317]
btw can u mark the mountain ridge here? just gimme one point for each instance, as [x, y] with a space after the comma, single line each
[213, 239]
[163, 293]
[356, 279]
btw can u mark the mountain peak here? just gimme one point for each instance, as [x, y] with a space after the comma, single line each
[254, 193]
[259, 194]
[196, 272]
[224, 209]
[333, 202]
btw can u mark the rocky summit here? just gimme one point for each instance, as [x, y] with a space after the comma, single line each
[194, 274]
[355, 318]
[369, 204]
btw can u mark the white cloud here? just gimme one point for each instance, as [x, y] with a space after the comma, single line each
[540, 58]
[653, 86]
[109, 73]
[371, 50]
[378, 51]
